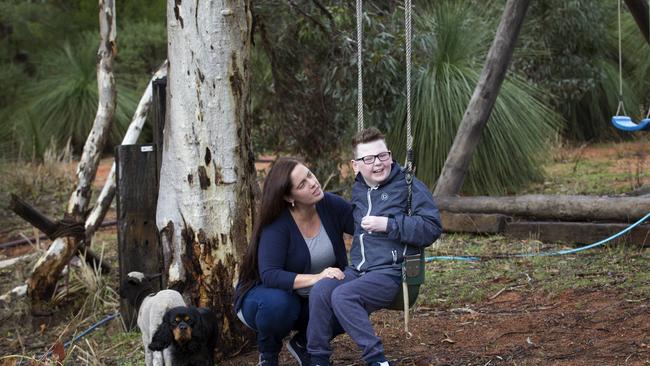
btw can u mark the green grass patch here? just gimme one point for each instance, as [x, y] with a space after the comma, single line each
[455, 283]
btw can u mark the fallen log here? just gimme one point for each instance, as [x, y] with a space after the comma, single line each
[552, 207]
[56, 229]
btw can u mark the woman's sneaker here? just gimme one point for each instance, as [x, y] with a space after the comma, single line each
[298, 349]
[268, 359]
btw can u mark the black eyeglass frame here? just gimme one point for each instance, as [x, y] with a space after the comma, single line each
[368, 162]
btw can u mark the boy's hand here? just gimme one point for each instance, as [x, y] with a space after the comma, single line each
[374, 223]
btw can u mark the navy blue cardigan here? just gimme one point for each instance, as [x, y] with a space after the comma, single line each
[282, 253]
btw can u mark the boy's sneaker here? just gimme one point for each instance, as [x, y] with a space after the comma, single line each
[298, 350]
[383, 363]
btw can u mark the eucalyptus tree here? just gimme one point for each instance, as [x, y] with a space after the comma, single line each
[205, 199]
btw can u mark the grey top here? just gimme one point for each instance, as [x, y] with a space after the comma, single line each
[322, 256]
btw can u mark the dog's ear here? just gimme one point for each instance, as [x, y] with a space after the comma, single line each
[163, 336]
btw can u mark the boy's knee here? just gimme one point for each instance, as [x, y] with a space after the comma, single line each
[342, 296]
[322, 291]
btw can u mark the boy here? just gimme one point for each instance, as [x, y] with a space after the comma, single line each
[383, 234]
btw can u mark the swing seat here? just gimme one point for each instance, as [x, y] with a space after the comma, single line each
[625, 123]
[413, 275]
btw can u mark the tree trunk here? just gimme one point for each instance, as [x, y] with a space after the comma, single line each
[207, 174]
[46, 271]
[566, 208]
[105, 198]
[482, 101]
[639, 10]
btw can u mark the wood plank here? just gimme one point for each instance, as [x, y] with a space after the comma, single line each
[137, 234]
[472, 223]
[577, 232]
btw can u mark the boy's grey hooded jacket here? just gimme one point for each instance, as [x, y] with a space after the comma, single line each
[405, 234]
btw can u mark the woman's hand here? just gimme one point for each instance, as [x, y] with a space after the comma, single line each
[307, 280]
[332, 272]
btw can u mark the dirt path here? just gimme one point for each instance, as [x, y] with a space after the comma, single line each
[515, 328]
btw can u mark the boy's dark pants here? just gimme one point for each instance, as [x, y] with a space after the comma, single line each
[350, 301]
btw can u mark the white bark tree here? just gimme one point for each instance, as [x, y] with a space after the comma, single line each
[207, 174]
[46, 271]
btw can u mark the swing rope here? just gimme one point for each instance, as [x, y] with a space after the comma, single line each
[648, 114]
[409, 152]
[621, 120]
[620, 65]
[359, 65]
[409, 138]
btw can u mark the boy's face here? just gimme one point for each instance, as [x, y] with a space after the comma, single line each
[377, 171]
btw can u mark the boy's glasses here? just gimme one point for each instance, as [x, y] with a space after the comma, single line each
[369, 159]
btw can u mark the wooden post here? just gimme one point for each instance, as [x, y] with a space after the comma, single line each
[137, 234]
[158, 115]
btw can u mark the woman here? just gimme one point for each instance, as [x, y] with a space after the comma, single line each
[296, 241]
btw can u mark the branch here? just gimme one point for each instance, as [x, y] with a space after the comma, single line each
[312, 19]
[324, 10]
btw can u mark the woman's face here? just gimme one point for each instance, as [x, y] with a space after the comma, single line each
[305, 189]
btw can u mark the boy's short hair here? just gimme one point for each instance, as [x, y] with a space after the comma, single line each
[364, 136]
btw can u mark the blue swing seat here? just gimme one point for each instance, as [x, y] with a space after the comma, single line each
[625, 123]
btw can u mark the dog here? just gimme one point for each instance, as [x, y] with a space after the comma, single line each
[191, 333]
[137, 288]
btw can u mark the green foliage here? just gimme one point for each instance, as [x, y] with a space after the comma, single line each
[636, 60]
[47, 69]
[572, 51]
[62, 102]
[142, 47]
[520, 129]
[451, 284]
[305, 72]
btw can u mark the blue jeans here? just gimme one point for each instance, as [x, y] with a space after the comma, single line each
[273, 313]
[349, 303]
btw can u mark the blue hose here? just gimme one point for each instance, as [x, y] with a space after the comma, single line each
[548, 254]
[77, 337]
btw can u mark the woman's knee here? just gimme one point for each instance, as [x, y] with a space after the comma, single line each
[277, 307]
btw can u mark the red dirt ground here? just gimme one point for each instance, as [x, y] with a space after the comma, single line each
[515, 328]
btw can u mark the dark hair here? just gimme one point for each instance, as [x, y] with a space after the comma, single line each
[277, 186]
[366, 135]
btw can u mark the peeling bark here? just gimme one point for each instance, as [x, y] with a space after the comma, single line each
[205, 227]
[46, 272]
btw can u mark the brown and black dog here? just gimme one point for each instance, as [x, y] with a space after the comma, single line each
[192, 334]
